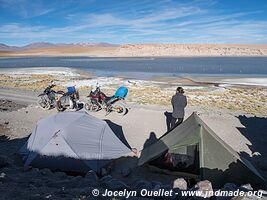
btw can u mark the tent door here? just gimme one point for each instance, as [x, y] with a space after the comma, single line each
[181, 159]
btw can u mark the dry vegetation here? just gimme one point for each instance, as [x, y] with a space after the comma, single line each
[235, 99]
[250, 101]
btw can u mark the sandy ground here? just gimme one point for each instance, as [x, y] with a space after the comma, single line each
[137, 124]
[140, 121]
[140, 50]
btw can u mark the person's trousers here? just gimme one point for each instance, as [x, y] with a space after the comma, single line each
[176, 122]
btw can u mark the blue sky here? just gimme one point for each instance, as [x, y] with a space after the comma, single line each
[133, 21]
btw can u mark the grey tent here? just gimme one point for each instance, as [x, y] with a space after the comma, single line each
[72, 141]
[196, 149]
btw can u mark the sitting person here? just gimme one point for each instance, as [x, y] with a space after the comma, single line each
[178, 161]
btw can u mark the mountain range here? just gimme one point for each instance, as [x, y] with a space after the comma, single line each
[38, 45]
[133, 50]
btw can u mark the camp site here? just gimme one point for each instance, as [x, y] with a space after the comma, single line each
[113, 152]
[133, 100]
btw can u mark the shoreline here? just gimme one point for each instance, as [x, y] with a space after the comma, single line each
[157, 91]
[224, 80]
[73, 55]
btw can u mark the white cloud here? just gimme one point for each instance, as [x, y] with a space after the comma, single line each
[25, 9]
[187, 22]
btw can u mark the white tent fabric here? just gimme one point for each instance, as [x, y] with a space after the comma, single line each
[75, 135]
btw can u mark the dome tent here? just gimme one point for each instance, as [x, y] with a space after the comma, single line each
[72, 141]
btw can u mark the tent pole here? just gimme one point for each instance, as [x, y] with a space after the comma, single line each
[201, 152]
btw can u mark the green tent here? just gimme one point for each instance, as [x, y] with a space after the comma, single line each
[199, 152]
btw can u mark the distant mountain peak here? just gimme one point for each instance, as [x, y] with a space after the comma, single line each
[38, 45]
[4, 47]
[96, 44]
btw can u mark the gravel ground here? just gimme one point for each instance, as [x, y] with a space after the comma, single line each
[245, 134]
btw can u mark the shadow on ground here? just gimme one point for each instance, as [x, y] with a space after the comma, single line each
[168, 116]
[255, 130]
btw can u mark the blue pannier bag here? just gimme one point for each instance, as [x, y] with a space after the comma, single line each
[71, 89]
[121, 92]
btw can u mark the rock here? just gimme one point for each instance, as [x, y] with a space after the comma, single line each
[106, 178]
[26, 168]
[229, 187]
[263, 192]
[60, 174]
[256, 153]
[115, 184]
[173, 195]
[156, 185]
[61, 183]
[48, 196]
[38, 183]
[139, 185]
[84, 192]
[3, 161]
[35, 170]
[166, 187]
[6, 123]
[180, 183]
[45, 171]
[247, 187]
[90, 179]
[246, 197]
[205, 187]
[91, 175]
[126, 172]
[7, 178]
[103, 172]
[36, 197]
[77, 179]
[2, 175]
